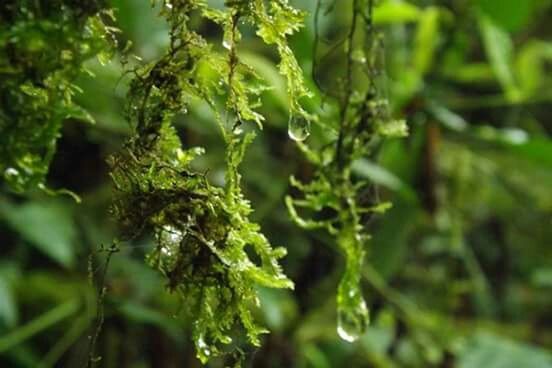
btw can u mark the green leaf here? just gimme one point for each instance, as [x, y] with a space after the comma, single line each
[492, 351]
[538, 150]
[8, 307]
[447, 117]
[396, 12]
[509, 14]
[382, 176]
[46, 225]
[499, 49]
[143, 314]
[427, 36]
[530, 66]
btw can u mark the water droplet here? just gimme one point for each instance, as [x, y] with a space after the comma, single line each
[298, 128]
[352, 321]
[352, 313]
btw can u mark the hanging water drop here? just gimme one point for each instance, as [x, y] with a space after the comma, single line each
[352, 321]
[298, 128]
[352, 313]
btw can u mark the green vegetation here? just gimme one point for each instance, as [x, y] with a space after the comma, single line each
[396, 151]
[43, 48]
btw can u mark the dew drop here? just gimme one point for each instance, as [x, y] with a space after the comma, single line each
[352, 321]
[352, 313]
[298, 128]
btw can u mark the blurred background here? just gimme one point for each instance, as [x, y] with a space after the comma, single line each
[459, 271]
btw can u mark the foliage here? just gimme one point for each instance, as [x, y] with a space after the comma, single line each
[457, 272]
[43, 46]
[343, 201]
[202, 231]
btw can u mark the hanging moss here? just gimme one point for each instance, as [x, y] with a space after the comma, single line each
[335, 194]
[43, 45]
[203, 233]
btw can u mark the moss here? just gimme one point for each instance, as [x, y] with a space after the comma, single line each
[364, 122]
[201, 230]
[43, 45]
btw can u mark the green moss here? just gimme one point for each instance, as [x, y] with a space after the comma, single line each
[43, 45]
[364, 121]
[203, 232]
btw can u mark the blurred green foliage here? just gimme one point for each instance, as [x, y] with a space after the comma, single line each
[458, 271]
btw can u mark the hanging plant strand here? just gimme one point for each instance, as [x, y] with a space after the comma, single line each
[202, 231]
[363, 122]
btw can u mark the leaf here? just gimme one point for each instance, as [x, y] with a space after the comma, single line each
[143, 314]
[492, 351]
[8, 307]
[538, 150]
[382, 176]
[278, 307]
[499, 49]
[530, 66]
[427, 36]
[447, 117]
[509, 14]
[396, 12]
[46, 225]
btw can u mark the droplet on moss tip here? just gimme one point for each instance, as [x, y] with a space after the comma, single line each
[298, 128]
[352, 313]
[352, 322]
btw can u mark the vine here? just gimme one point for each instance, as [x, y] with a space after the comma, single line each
[43, 45]
[335, 197]
[202, 232]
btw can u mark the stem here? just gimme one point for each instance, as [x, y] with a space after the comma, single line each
[39, 324]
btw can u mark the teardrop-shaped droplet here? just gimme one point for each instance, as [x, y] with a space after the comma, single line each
[352, 313]
[298, 128]
[352, 321]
